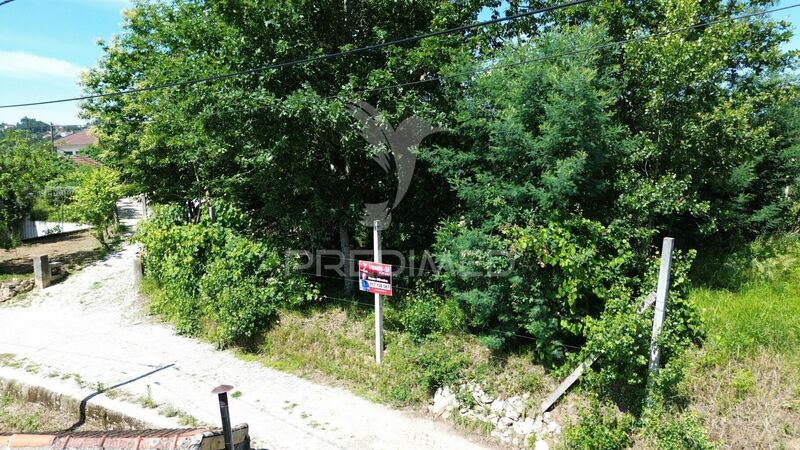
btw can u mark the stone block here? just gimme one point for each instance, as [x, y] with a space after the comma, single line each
[41, 271]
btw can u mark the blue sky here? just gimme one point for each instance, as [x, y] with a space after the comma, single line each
[45, 44]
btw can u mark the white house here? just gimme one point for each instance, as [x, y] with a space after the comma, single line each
[72, 144]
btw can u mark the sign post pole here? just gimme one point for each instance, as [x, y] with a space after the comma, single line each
[376, 242]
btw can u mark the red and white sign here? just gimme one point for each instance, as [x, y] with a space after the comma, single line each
[375, 277]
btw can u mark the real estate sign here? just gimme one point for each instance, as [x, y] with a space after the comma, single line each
[375, 277]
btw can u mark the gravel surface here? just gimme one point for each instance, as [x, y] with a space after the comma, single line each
[92, 325]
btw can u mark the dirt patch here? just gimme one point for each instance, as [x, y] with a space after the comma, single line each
[22, 417]
[74, 250]
[751, 403]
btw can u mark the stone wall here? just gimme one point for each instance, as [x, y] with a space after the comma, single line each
[10, 289]
[514, 421]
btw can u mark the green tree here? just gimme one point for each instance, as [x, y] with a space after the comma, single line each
[33, 125]
[94, 201]
[25, 167]
[681, 133]
[280, 143]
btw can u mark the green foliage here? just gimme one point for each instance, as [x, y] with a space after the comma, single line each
[25, 168]
[560, 274]
[300, 146]
[214, 280]
[761, 312]
[440, 364]
[743, 383]
[600, 427]
[669, 429]
[423, 312]
[95, 200]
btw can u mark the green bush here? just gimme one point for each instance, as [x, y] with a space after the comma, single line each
[94, 201]
[423, 312]
[440, 364]
[243, 286]
[561, 274]
[600, 427]
[621, 336]
[669, 429]
[215, 281]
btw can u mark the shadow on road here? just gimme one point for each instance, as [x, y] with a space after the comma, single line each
[85, 401]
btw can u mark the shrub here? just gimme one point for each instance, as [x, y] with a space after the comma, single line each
[621, 336]
[243, 286]
[423, 312]
[95, 200]
[600, 427]
[440, 364]
[668, 429]
[561, 273]
[215, 280]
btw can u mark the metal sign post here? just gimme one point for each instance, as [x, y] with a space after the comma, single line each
[376, 247]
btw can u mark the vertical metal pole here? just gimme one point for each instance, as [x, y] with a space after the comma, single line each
[376, 247]
[222, 395]
[661, 302]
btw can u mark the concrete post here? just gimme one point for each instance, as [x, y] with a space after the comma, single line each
[138, 271]
[662, 292]
[41, 271]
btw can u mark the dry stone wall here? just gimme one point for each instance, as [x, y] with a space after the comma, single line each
[514, 422]
[11, 289]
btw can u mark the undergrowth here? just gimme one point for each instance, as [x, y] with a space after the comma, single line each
[335, 343]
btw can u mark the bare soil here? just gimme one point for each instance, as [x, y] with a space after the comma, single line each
[750, 404]
[74, 250]
[22, 417]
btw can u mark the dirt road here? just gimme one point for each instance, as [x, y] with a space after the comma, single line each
[92, 327]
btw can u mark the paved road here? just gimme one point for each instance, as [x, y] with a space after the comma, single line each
[92, 325]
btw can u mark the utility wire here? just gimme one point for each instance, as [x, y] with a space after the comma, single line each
[507, 333]
[327, 56]
[349, 279]
[5, 2]
[397, 266]
[488, 68]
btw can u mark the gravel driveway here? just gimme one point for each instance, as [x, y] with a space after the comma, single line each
[91, 325]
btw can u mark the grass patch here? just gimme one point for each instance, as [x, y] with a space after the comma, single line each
[14, 277]
[471, 425]
[763, 316]
[334, 344]
[745, 381]
[147, 401]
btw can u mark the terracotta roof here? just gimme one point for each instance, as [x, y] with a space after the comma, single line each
[176, 439]
[85, 161]
[83, 137]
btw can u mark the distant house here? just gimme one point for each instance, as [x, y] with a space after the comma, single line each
[72, 144]
[84, 161]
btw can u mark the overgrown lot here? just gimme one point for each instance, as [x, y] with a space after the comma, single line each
[745, 381]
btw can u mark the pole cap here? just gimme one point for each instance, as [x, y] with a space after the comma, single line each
[222, 389]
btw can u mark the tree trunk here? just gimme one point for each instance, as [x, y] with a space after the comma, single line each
[344, 242]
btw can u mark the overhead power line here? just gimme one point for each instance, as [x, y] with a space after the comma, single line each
[488, 68]
[5, 2]
[405, 40]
